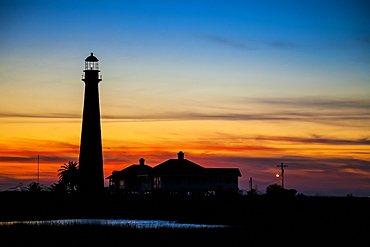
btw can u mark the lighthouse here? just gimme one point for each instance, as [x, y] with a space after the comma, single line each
[91, 176]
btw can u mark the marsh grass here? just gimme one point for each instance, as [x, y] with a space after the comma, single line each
[263, 221]
[136, 224]
[75, 234]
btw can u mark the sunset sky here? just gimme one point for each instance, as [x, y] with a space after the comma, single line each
[236, 83]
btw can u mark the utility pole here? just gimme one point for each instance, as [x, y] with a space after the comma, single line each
[38, 169]
[282, 173]
[250, 184]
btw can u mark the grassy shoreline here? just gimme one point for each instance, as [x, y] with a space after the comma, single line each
[215, 210]
[297, 220]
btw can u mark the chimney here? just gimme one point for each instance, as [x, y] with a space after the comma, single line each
[142, 161]
[180, 155]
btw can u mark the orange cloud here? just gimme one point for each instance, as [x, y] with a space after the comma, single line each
[356, 171]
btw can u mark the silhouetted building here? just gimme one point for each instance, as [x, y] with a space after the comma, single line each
[177, 176]
[128, 180]
[91, 157]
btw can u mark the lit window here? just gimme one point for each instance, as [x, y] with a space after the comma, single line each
[122, 184]
[157, 182]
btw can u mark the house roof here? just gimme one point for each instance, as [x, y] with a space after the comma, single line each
[183, 166]
[131, 171]
[177, 166]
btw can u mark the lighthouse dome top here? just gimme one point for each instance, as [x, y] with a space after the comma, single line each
[91, 58]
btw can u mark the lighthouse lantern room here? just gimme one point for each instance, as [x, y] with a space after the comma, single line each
[91, 63]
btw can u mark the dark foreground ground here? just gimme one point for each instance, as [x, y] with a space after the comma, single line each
[256, 221]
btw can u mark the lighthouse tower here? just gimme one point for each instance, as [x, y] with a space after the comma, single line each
[91, 177]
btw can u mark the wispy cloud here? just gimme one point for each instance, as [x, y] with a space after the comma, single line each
[316, 117]
[237, 44]
[33, 159]
[35, 146]
[323, 110]
[335, 119]
[38, 115]
[315, 140]
[282, 44]
[316, 102]
[243, 44]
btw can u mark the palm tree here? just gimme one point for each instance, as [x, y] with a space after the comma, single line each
[34, 187]
[68, 175]
[59, 187]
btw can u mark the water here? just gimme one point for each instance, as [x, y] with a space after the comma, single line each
[113, 222]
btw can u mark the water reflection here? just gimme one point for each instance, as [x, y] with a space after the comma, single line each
[113, 222]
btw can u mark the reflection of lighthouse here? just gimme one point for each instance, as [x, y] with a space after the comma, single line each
[91, 177]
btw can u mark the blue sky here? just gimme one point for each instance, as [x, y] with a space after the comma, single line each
[324, 39]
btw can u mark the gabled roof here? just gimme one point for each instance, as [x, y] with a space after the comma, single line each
[182, 166]
[131, 171]
[177, 166]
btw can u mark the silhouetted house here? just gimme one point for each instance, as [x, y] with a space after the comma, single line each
[180, 176]
[128, 180]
